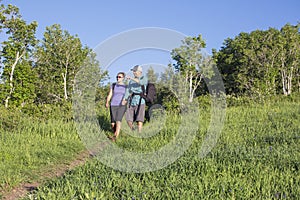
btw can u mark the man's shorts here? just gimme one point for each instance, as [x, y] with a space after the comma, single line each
[132, 113]
[117, 113]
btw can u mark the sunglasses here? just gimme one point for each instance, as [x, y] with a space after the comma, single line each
[119, 76]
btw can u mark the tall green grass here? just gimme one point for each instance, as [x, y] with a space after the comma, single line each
[257, 156]
[28, 146]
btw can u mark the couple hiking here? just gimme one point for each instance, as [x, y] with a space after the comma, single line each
[126, 99]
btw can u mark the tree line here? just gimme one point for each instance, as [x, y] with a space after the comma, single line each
[36, 71]
[255, 64]
[261, 63]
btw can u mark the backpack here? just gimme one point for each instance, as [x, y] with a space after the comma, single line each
[113, 86]
[150, 94]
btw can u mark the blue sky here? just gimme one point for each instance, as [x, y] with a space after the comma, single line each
[96, 20]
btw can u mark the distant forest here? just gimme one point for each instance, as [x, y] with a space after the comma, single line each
[258, 64]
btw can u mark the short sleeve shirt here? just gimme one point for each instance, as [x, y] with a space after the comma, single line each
[134, 87]
[118, 94]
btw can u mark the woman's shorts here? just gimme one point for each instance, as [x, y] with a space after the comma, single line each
[117, 113]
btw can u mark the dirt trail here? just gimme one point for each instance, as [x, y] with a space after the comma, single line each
[59, 170]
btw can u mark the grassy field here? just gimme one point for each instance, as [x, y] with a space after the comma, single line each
[257, 156]
[29, 147]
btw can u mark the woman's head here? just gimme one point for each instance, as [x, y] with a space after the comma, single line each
[120, 76]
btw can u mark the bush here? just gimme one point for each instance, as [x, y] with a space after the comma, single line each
[238, 101]
[49, 111]
[14, 117]
[204, 101]
[10, 118]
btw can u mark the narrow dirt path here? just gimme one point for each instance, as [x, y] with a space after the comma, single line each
[59, 170]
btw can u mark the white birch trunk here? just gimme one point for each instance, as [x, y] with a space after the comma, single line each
[65, 85]
[11, 77]
[191, 87]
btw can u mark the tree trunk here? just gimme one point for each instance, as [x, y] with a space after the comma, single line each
[191, 87]
[298, 84]
[11, 77]
[290, 78]
[65, 85]
[283, 82]
[286, 82]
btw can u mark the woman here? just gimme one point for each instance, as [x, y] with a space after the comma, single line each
[114, 102]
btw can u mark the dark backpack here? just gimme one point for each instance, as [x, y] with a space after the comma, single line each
[113, 86]
[150, 94]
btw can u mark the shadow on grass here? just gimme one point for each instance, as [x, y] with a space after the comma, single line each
[104, 123]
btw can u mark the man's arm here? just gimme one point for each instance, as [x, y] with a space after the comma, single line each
[143, 81]
[137, 80]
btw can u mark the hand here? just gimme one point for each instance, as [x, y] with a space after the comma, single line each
[107, 105]
[124, 102]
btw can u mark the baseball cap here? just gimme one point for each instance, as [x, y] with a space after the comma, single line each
[137, 68]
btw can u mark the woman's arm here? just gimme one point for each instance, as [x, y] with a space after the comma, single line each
[108, 98]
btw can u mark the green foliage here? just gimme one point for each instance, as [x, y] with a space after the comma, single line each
[204, 102]
[152, 76]
[188, 56]
[43, 74]
[49, 111]
[18, 78]
[238, 100]
[192, 63]
[24, 85]
[59, 58]
[260, 63]
[289, 58]
[13, 117]
[101, 94]
[168, 99]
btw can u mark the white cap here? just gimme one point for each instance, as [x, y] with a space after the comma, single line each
[137, 68]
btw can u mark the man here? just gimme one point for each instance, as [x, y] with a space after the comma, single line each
[136, 108]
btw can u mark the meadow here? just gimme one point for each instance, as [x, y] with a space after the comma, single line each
[256, 157]
[31, 147]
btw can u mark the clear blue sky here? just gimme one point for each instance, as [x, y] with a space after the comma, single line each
[96, 20]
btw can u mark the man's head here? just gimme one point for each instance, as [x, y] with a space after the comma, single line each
[137, 70]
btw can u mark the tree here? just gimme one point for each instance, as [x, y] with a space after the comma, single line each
[229, 61]
[18, 76]
[152, 76]
[91, 68]
[59, 58]
[191, 63]
[260, 65]
[256, 63]
[247, 63]
[289, 56]
[167, 89]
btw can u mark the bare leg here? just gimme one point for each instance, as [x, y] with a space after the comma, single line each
[130, 124]
[113, 127]
[140, 126]
[118, 128]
